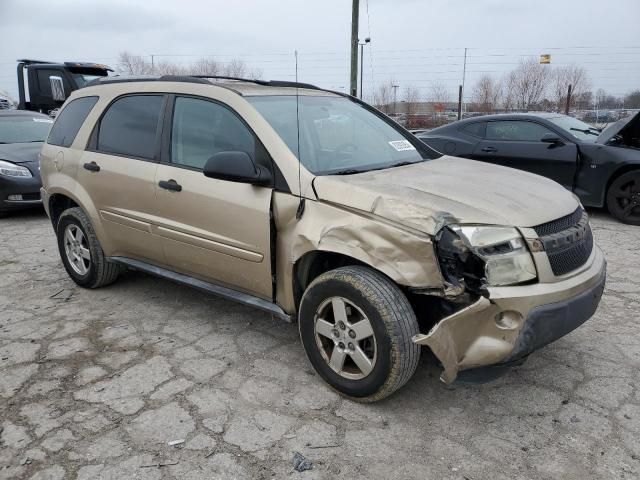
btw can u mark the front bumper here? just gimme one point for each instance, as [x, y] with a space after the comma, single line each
[514, 321]
[29, 188]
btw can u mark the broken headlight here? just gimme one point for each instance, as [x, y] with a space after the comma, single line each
[484, 255]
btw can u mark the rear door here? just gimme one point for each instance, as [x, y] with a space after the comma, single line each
[517, 144]
[212, 229]
[118, 172]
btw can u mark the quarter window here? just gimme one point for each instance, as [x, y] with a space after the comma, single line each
[515, 130]
[69, 121]
[202, 128]
[130, 126]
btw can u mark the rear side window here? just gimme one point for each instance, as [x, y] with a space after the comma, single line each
[476, 129]
[516, 130]
[130, 126]
[69, 121]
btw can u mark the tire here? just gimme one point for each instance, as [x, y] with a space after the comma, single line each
[393, 357]
[623, 198]
[95, 271]
[4, 214]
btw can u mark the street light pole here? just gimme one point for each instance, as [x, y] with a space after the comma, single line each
[366, 40]
[395, 99]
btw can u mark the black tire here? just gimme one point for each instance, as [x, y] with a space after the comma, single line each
[4, 214]
[392, 320]
[623, 198]
[100, 271]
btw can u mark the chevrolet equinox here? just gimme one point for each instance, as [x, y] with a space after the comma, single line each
[315, 207]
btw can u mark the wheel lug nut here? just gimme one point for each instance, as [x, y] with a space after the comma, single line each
[352, 334]
[351, 347]
[342, 325]
[341, 345]
[335, 333]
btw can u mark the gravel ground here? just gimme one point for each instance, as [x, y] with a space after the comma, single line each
[94, 384]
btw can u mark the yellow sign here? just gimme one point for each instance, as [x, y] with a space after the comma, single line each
[545, 58]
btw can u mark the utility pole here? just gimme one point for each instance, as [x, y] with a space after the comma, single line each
[152, 64]
[464, 73]
[353, 84]
[459, 102]
[395, 99]
[566, 108]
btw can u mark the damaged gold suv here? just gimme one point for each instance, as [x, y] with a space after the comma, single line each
[315, 207]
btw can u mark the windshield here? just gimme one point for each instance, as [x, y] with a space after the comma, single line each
[339, 136]
[82, 79]
[577, 128]
[24, 129]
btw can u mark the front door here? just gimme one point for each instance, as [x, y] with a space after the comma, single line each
[212, 229]
[517, 144]
[118, 172]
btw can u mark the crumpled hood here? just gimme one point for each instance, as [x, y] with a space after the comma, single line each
[618, 128]
[20, 152]
[426, 195]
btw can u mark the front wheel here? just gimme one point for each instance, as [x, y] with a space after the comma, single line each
[356, 327]
[623, 198]
[81, 252]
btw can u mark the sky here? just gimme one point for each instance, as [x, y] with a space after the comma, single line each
[413, 42]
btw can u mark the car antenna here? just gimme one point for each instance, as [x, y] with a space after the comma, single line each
[300, 209]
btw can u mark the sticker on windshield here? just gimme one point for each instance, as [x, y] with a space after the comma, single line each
[402, 145]
[42, 120]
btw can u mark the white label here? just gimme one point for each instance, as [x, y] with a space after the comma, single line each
[402, 145]
[42, 120]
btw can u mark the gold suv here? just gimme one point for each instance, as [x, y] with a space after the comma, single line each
[313, 206]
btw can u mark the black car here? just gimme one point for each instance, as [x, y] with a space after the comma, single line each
[601, 168]
[21, 136]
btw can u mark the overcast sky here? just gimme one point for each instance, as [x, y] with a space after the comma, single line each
[415, 42]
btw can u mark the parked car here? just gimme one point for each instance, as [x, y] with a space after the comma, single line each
[21, 137]
[313, 206]
[601, 168]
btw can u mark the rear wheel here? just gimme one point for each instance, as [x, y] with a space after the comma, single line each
[623, 198]
[356, 327]
[81, 252]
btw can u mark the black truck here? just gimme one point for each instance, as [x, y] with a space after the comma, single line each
[44, 86]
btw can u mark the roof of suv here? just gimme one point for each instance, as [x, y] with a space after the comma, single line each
[242, 86]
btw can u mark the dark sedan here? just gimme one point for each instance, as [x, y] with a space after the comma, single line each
[601, 168]
[21, 136]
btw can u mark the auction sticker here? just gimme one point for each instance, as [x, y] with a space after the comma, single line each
[42, 120]
[402, 145]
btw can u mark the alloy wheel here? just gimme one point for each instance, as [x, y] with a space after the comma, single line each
[77, 249]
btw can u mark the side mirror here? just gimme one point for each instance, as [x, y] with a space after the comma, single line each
[237, 167]
[551, 138]
[57, 88]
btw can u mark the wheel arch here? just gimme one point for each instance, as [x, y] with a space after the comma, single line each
[629, 167]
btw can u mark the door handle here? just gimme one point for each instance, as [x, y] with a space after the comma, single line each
[170, 185]
[92, 167]
[489, 149]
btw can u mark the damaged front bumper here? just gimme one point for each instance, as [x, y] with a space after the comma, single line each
[493, 333]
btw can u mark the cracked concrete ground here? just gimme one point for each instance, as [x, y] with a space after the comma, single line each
[94, 384]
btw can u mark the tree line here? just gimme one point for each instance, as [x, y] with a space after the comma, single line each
[530, 86]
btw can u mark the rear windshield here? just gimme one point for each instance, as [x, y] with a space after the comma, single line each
[24, 128]
[338, 135]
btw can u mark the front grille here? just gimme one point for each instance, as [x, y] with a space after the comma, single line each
[568, 241]
[561, 224]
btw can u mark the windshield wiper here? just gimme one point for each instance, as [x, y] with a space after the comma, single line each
[347, 171]
[586, 131]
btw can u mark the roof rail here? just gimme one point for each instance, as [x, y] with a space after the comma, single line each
[197, 79]
[27, 61]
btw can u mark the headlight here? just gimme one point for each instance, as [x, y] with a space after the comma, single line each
[483, 255]
[12, 170]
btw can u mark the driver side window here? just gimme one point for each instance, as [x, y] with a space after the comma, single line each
[516, 131]
[202, 128]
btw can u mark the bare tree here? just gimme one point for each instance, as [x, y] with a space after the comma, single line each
[527, 83]
[439, 93]
[133, 64]
[205, 66]
[411, 97]
[383, 96]
[562, 77]
[632, 100]
[486, 94]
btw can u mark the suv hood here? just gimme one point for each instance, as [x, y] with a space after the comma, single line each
[427, 195]
[20, 152]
